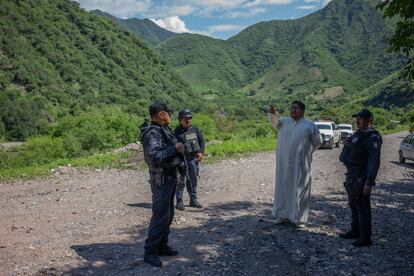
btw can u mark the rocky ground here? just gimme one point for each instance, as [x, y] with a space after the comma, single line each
[94, 222]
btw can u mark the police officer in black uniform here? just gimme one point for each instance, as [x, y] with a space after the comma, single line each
[193, 158]
[162, 154]
[361, 155]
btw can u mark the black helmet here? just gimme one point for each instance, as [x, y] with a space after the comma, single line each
[184, 113]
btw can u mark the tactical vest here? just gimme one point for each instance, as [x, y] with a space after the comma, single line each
[190, 141]
[355, 154]
[170, 141]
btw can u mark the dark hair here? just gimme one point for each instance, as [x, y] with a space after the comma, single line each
[300, 104]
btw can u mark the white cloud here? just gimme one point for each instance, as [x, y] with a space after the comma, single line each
[249, 13]
[177, 25]
[322, 2]
[256, 3]
[172, 23]
[325, 2]
[308, 7]
[179, 8]
[169, 8]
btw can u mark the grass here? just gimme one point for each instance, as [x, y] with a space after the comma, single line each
[104, 160]
[399, 128]
[227, 149]
[233, 147]
[239, 146]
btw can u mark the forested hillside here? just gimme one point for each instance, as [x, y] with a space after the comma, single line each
[337, 51]
[145, 28]
[57, 59]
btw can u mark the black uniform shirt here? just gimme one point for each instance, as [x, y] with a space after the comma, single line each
[362, 154]
[159, 152]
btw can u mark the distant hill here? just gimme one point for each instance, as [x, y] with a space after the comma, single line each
[393, 91]
[145, 28]
[57, 59]
[330, 54]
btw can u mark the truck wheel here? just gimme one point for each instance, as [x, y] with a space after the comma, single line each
[331, 145]
[337, 144]
[401, 157]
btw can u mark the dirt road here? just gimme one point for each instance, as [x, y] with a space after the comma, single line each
[95, 222]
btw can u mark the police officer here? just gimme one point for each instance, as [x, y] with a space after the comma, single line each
[185, 117]
[162, 154]
[361, 155]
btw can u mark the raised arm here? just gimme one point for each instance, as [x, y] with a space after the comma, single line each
[274, 118]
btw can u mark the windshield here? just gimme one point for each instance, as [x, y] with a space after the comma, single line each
[345, 127]
[324, 126]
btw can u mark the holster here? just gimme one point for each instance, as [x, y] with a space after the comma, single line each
[156, 176]
[354, 186]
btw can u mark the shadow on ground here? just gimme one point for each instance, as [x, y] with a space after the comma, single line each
[238, 239]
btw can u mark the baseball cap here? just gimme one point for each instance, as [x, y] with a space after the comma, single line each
[364, 113]
[158, 107]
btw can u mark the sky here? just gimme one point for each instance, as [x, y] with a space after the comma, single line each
[216, 18]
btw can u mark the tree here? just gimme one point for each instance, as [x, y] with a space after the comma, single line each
[403, 38]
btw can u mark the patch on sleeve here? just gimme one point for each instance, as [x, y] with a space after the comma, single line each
[375, 145]
[152, 140]
[374, 136]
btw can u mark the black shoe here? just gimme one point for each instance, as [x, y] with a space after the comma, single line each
[152, 259]
[362, 242]
[165, 250]
[194, 203]
[180, 205]
[349, 235]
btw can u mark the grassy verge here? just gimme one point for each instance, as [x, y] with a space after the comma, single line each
[227, 149]
[237, 146]
[394, 130]
[105, 160]
[230, 148]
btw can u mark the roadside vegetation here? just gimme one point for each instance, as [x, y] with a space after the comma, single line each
[89, 139]
[74, 86]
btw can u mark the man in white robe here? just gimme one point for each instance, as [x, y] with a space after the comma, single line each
[298, 138]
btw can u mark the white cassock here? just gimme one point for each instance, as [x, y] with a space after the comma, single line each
[297, 140]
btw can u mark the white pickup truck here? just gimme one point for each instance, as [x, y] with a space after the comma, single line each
[346, 131]
[330, 134]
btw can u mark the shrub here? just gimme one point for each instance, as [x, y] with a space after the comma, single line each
[39, 150]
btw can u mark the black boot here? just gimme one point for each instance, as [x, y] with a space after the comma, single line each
[194, 203]
[152, 259]
[349, 235]
[180, 205]
[165, 250]
[362, 242]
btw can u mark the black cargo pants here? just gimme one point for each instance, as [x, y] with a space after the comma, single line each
[162, 211]
[191, 184]
[360, 205]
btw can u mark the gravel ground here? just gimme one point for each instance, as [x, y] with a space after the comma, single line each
[95, 222]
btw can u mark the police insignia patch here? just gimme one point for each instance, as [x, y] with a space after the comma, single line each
[375, 145]
[152, 140]
[354, 140]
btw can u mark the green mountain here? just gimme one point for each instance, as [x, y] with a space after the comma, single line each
[145, 28]
[330, 54]
[393, 91]
[57, 59]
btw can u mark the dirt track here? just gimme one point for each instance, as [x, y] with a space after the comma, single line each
[94, 222]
